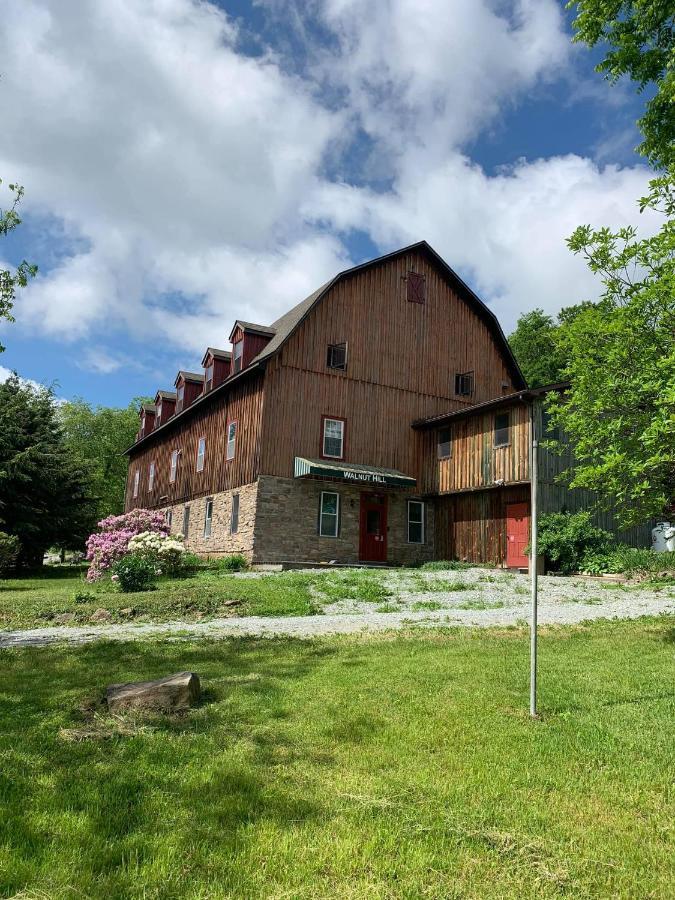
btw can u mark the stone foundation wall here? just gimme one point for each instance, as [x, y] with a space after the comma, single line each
[287, 518]
[221, 542]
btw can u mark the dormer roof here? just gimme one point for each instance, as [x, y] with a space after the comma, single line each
[148, 407]
[216, 354]
[189, 376]
[252, 328]
[165, 395]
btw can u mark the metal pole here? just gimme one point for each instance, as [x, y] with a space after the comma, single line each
[533, 566]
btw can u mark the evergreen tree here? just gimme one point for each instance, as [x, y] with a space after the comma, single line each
[44, 490]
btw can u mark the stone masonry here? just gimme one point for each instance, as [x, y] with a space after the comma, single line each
[287, 516]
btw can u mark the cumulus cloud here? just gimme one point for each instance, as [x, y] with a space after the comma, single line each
[188, 183]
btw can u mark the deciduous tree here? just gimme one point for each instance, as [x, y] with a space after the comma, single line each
[10, 279]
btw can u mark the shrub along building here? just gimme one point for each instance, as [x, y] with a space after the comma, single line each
[382, 419]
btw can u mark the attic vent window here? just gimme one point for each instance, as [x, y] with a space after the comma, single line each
[416, 288]
[337, 356]
[464, 384]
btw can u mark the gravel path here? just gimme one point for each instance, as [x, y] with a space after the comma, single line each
[472, 598]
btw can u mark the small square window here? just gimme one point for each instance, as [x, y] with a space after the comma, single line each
[234, 515]
[416, 287]
[415, 522]
[464, 384]
[337, 356]
[333, 438]
[501, 433]
[444, 443]
[329, 514]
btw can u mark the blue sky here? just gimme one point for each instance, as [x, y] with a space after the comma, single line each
[188, 163]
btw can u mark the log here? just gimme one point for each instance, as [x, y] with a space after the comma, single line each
[170, 694]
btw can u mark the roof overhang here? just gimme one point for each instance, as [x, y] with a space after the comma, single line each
[352, 473]
[476, 409]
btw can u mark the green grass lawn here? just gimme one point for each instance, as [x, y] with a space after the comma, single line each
[399, 765]
[29, 602]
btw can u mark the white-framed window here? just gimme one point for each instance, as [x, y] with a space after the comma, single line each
[444, 442]
[174, 466]
[415, 522]
[151, 476]
[208, 518]
[329, 514]
[186, 521]
[180, 394]
[231, 440]
[337, 356]
[501, 432]
[137, 478]
[142, 424]
[158, 416]
[168, 518]
[208, 377]
[237, 355]
[201, 453]
[234, 514]
[333, 442]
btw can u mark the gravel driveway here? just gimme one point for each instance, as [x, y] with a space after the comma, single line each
[474, 598]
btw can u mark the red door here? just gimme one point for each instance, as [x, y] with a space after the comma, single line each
[373, 528]
[517, 534]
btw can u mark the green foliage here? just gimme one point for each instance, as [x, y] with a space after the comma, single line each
[619, 413]
[83, 596]
[134, 573]
[566, 539]
[536, 348]
[97, 437]
[640, 35]
[9, 551]
[44, 491]
[11, 280]
[234, 563]
[630, 561]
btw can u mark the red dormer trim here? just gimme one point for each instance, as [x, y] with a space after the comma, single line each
[189, 385]
[248, 340]
[216, 363]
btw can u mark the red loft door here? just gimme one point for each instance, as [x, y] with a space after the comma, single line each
[517, 534]
[373, 528]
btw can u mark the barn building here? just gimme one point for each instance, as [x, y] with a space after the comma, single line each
[383, 419]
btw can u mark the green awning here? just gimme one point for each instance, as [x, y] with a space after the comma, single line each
[352, 473]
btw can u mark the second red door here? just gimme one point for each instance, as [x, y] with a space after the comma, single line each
[373, 528]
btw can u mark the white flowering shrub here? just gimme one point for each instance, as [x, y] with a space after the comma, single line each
[165, 551]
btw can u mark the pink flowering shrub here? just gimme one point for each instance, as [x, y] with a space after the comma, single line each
[110, 544]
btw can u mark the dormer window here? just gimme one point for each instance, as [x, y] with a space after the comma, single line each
[208, 377]
[158, 416]
[180, 394]
[142, 424]
[237, 355]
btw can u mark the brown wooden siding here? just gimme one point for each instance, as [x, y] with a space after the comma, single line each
[475, 462]
[402, 358]
[243, 403]
[472, 526]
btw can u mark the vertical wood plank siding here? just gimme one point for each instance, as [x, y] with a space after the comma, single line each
[474, 461]
[402, 358]
[243, 403]
[472, 526]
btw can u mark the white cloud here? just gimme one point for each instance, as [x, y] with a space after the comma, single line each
[6, 373]
[187, 179]
[507, 232]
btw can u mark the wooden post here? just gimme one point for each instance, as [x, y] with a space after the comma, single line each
[533, 564]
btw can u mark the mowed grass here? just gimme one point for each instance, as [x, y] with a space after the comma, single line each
[399, 765]
[34, 602]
